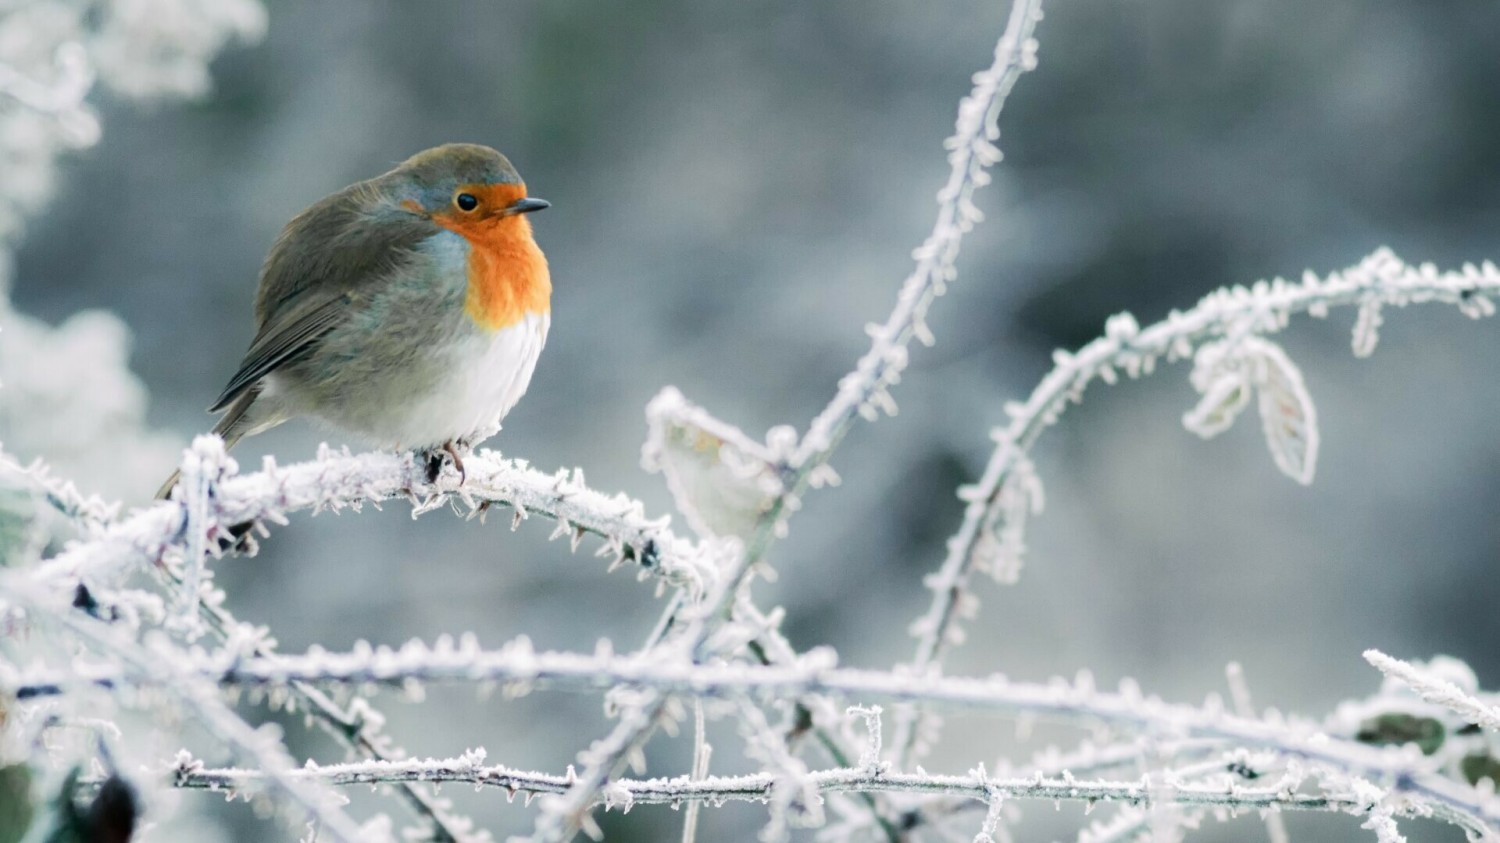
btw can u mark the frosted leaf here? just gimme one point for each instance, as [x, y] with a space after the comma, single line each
[1219, 406]
[1286, 412]
[1225, 373]
[722, 481]
[1220, 376]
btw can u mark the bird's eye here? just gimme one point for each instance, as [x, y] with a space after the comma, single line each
[466, 201]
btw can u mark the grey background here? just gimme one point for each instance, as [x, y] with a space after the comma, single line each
[736, 190]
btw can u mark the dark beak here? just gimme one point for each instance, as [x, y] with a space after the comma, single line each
[526, 206]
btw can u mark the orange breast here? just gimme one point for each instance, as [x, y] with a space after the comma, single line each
[508, 275]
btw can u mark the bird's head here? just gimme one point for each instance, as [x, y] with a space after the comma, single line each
[463, 187]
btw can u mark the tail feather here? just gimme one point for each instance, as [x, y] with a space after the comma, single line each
[233, 426]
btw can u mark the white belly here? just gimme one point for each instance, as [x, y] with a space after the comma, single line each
[489, 374]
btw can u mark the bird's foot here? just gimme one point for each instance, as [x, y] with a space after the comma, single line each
[458, 461]
[239, 539]
[435, 458]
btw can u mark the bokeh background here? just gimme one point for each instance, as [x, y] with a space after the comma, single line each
[736, 188]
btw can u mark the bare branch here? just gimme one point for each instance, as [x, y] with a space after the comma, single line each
[1231, 314]
[336, 481]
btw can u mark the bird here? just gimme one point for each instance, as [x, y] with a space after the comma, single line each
[408, 309]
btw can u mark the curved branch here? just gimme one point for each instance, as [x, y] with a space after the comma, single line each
[335, 481]
[1231, 313]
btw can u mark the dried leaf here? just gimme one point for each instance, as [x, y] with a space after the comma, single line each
[1219, 406]
[1220, 375]
[1286, 411]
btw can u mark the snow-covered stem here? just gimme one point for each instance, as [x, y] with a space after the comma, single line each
[339, 480]
[702, 752]
[200, 698]
[815, 675]
[568, 812]
[759, 787]
[972, 150]
[355, 730]
[87, 513]
[1436, 690]
[1231, 313]
[1244, 706]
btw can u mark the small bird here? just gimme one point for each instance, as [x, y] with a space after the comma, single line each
[408, 309]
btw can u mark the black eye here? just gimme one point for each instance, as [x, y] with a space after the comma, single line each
[466, 201]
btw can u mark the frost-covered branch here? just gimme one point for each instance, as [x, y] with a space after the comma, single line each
[87, 513]
[1075, 702]
[1223, 332]
[200, 698]
[763, 483]
[1383, 758]
[1436, 690]
[339, 480]
[356, 727]
[759, 787]
[972, 150]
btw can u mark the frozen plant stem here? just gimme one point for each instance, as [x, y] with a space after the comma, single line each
[1229, 314]
[758, 787]
[1436, 690]
[200, 698]
[1079, 705]
[972, 150]
[337, 481]
[714, 648]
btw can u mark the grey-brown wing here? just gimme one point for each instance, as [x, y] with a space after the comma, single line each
[287, 338]
[321, 263]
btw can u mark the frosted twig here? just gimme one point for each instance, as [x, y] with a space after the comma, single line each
[335, 481]
[86, 512]
[569, 810]
[1244, 706]
[209, 713]
[758, 787]
[1436, 690]
[352, 728]
[1231, 313]
[202, 467]
[971, 151]
[701, 754]
[816, 676]
[794, 795]
[518, 666]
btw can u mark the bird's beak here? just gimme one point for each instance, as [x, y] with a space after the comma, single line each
[526, 206]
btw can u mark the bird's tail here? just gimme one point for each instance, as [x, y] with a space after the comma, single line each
[232, 427]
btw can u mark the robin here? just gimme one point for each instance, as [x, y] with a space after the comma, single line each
[408, 309]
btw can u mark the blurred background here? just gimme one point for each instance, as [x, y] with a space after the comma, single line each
[736, 189]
